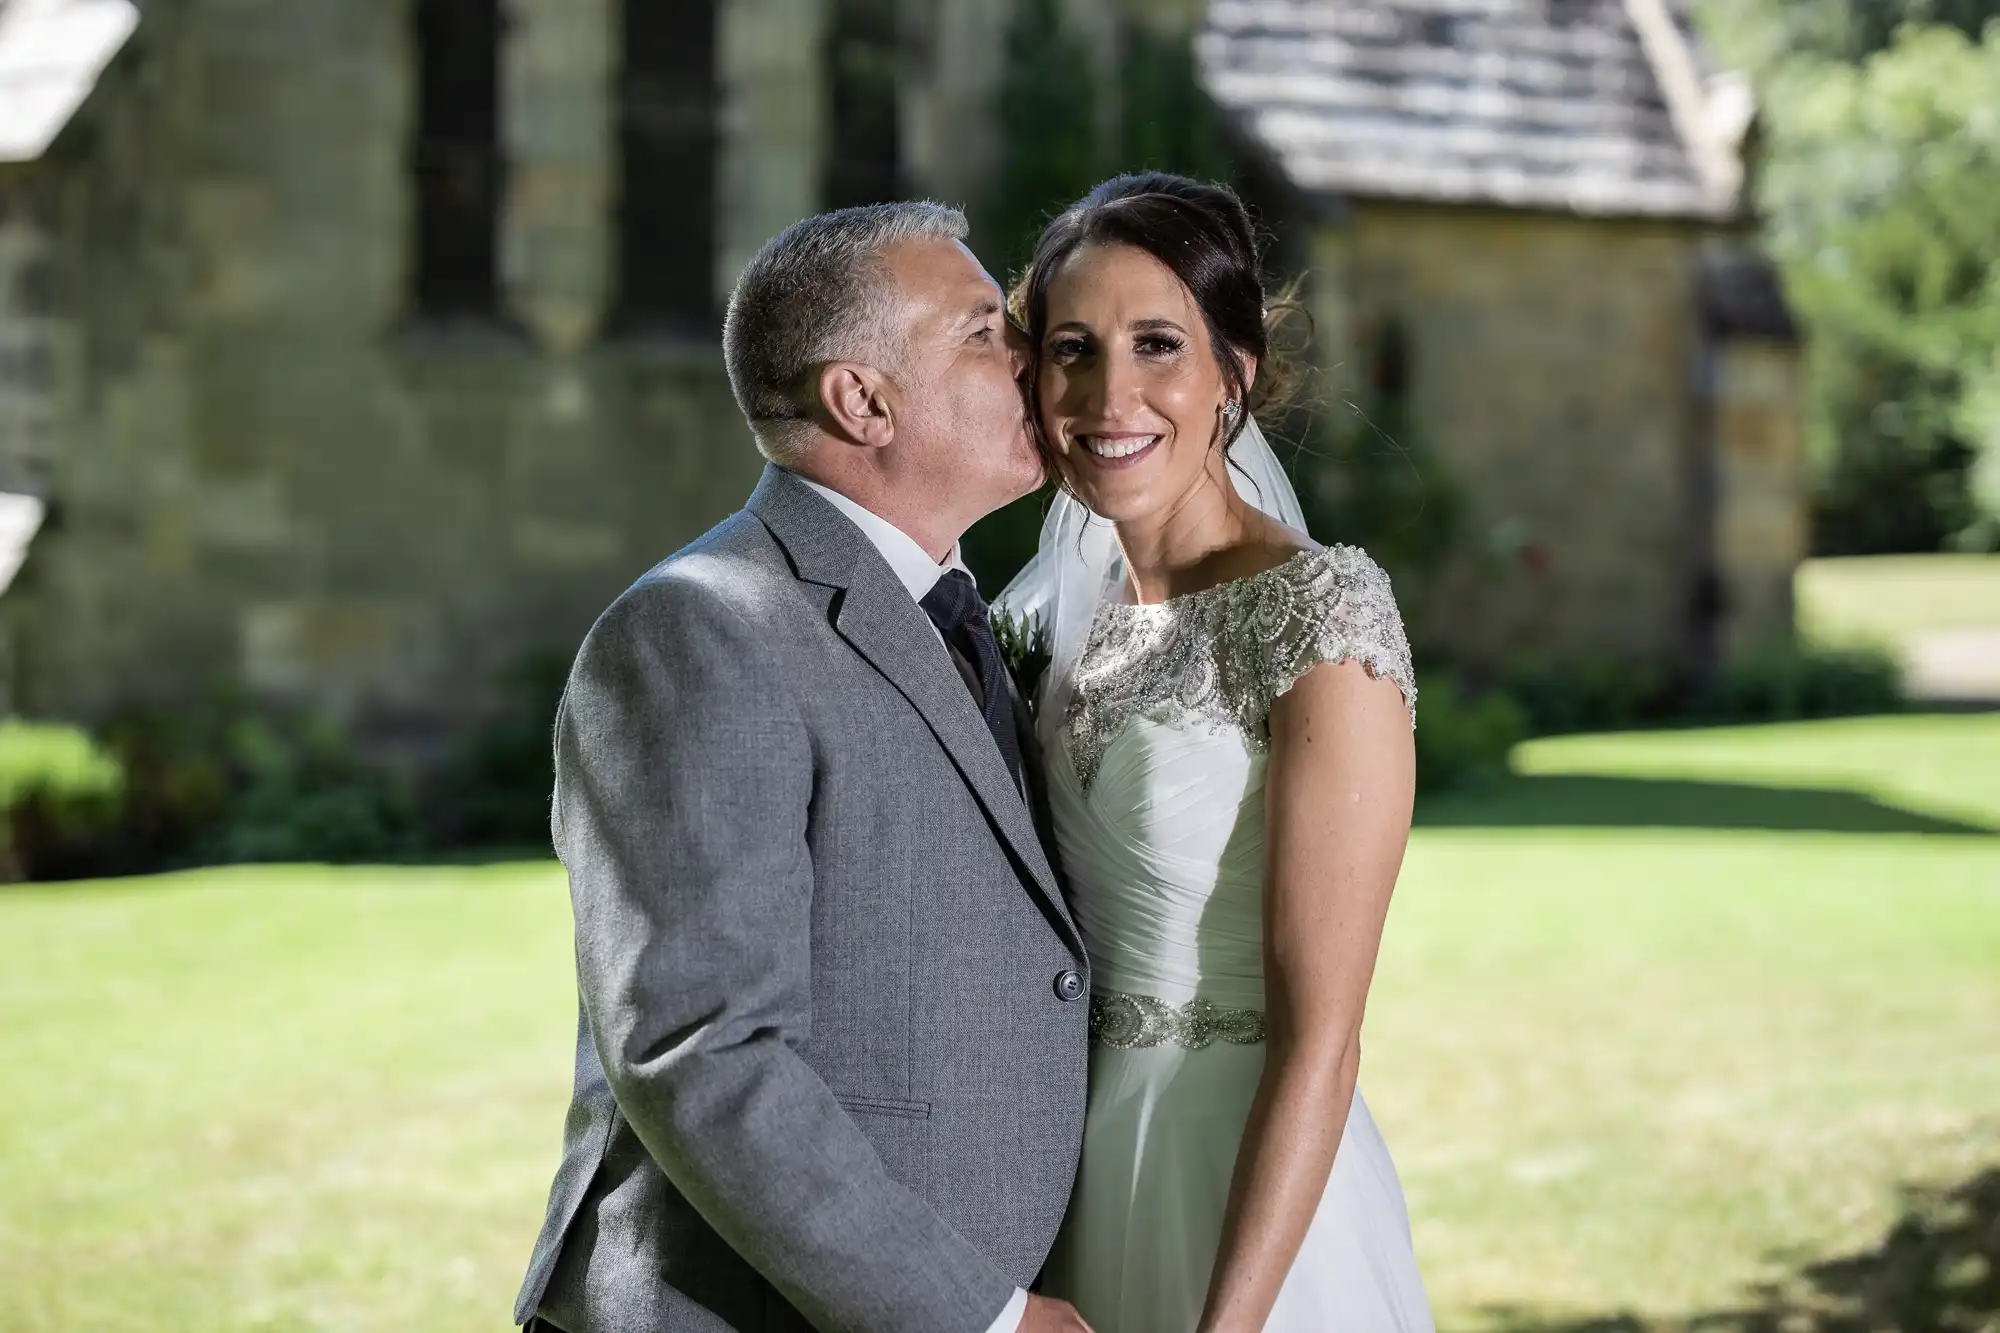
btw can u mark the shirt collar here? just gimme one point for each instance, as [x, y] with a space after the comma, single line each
[912, 565]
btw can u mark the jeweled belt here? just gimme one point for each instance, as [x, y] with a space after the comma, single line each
[1128, 1021]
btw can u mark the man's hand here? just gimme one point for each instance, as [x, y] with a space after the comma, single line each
[1047, 1316]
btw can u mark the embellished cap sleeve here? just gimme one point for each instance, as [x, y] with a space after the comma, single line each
[1333, 605]
[1220, 656]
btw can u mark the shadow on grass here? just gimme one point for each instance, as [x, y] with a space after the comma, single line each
[1937, 1271]
[1612, 802]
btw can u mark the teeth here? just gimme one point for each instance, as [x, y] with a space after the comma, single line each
[1117, 448]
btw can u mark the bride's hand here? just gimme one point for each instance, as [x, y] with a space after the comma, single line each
[1051, 1316]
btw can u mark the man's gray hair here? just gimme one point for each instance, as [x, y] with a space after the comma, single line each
[818, 291]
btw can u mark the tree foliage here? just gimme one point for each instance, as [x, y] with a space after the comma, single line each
[1166, 120]
[1068, 121]
[1051, 120]
[1882, 187]
[1060, 137]
[1763, 33]
[1886, 210]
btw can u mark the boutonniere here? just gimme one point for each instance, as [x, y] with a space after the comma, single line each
[1024, 648]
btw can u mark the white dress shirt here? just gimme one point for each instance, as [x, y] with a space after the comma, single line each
[911, 563]
[919, 574]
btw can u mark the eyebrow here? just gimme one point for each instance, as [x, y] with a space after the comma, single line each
[1137, 326]
[984, 310]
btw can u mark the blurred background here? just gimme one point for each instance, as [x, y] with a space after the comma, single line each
[355, 354]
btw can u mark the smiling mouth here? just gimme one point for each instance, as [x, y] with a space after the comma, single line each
[1117, 450]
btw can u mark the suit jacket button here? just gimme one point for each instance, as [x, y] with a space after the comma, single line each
[1069, 986]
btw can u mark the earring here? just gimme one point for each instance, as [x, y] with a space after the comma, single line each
[1231, 410]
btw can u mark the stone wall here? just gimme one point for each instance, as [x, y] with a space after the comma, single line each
[268, 475]
[264, 473]
[1761, 534]
[28, 337]
[1551, 364]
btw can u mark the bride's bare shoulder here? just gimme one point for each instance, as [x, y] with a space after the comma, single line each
[1267, 547]
[1279, 543]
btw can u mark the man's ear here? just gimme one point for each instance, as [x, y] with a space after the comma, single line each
[854, 398]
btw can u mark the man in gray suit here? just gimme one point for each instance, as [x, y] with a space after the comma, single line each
[830, 1054]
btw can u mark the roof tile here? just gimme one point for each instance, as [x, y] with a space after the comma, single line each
[1521, 103]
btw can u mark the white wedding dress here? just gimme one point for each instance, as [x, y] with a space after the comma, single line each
[1156, 786]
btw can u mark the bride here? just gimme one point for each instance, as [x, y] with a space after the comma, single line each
[1226, 722]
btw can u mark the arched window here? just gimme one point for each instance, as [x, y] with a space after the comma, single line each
[458, 166]
[668, 135]
[864, 164]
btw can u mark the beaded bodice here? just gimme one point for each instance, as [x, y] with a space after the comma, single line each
[1157, 785]
[1224, 654]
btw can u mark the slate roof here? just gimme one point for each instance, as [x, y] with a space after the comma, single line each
[51, 52]
[1546, 104]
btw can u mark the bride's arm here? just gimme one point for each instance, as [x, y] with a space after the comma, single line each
[1341, 780]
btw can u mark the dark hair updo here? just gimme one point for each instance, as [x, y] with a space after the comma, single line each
[1202, 233]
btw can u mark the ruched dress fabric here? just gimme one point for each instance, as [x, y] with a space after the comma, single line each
[1157, 792]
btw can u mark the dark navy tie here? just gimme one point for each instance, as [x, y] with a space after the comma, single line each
[954, 606]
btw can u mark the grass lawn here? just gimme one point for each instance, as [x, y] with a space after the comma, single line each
[279, 1098]
[1882, 598]
[1651, 1026]
[1937, 615]
[1641, 1070]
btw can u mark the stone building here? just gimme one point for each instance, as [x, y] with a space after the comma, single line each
[1524, 225]
[352, 350]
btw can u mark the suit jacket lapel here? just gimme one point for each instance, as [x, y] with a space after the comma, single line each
[875, 615]
[1035, 776]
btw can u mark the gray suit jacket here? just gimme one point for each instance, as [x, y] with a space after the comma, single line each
[825, 1073]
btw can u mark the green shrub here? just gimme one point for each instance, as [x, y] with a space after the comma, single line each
[495, 789]
[1463, 739]
[62, 794]
[178, 787]
[1792, 683]
[233, 780]
[300, 793]
[39, 757]
[1777, 685]
[1591, 694]
[228, 781]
